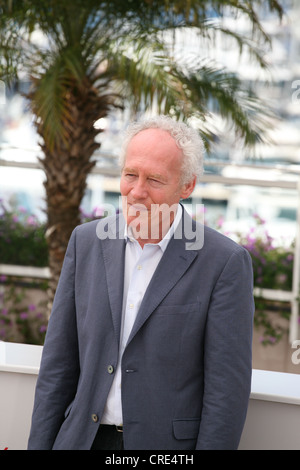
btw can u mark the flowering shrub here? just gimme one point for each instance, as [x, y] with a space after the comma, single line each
[22, 238]
[272, 269]
[272, 265]
[22, 241]
[20, 321]
[97, 213]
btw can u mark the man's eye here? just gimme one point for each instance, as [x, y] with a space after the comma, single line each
[154, 181]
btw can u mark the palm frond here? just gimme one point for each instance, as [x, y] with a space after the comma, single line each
[48, 101]
[249, 115]
[119, 48]
[147, 77]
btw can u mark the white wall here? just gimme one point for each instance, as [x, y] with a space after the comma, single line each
[272, 422]
[19, 366]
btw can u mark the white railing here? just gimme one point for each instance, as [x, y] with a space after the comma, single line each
[24, 271]
[273, 294]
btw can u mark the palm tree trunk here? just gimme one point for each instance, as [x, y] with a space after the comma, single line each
[67, 164]
[65, 186]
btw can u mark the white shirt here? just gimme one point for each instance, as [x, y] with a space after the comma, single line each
[140, 265]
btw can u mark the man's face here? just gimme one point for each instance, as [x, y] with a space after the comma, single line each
[151, 177]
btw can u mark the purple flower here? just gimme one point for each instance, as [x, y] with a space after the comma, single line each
[31, 220]
[259, 220]
[23, 315]
[4, 311]
[3, 278]
[220, 221]
[31, 307]
[272, 339]
[84, 214]
[98, 212]
[281, 278]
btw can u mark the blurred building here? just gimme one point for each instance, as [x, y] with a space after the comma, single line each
[21, 184]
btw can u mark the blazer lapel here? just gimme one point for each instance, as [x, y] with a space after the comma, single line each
[174, 263]
[114, 258]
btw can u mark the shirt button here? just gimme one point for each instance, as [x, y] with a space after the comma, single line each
[139, 267]
[131, 305]
[110, 369]
[95, 418]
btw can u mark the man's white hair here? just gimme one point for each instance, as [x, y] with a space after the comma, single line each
[186, 138]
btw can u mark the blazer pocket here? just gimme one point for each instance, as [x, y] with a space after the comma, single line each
[178, 309]
[186, 428]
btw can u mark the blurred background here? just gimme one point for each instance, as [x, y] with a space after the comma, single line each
[251, 196]
[21, 180]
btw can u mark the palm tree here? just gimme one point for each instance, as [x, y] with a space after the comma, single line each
[106, 54]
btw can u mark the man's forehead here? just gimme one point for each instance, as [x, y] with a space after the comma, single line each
[153, 133]
[151, 173]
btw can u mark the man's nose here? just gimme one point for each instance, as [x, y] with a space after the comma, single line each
[139, 190]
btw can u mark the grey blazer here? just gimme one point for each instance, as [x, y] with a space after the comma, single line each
[186, 369]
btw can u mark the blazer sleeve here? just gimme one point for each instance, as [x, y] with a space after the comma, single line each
[59, 370]
[228, 355]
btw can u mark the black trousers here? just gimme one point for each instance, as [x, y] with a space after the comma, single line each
[108, 438]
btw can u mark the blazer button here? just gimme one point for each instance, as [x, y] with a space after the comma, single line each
[110, 369]
[95, 418]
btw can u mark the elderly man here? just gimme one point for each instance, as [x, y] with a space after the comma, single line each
[149, 340]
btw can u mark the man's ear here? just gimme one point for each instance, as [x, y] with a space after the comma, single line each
[188, 188]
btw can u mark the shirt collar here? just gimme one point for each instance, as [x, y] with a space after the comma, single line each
[164, 242]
